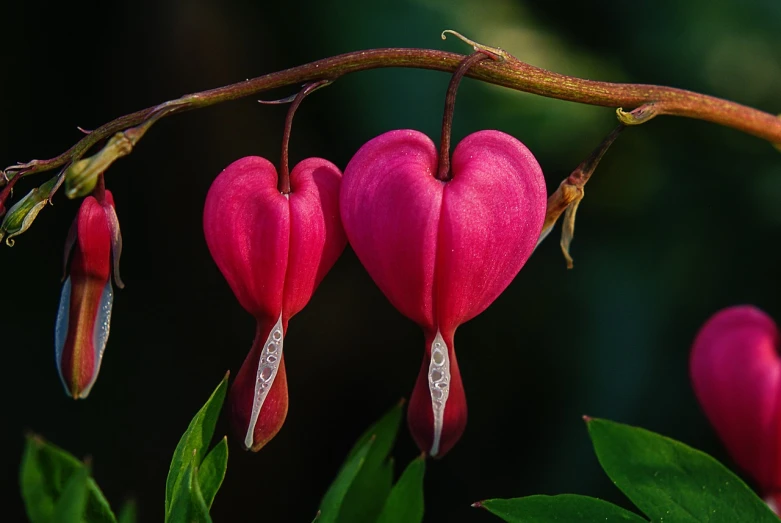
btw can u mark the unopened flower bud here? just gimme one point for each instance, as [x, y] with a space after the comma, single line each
[84, 314]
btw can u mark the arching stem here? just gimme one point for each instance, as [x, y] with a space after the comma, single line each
[443, 169]
[283, 183]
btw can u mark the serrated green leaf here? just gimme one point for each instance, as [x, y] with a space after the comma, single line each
[670, 481]
[370, 489]
[569, 508]
[331, 504]
[212, 471]
[44, 473]
[405, 502]
[72, 503]
[196, 438]
[128, 513]
[187, 503]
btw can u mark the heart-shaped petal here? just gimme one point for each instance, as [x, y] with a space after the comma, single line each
[390, 204]
[246, 221]
[492, 214]
[317, 237]
[443, 251]
[736, 373]
[273, 249]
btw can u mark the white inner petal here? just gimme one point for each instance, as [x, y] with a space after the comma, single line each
[270, 358]
[438, 386]
[100, 334]
[61, 328]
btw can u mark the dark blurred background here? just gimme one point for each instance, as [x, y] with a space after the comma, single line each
[680, 220]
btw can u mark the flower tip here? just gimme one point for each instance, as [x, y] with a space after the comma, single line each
[258, 397]
[437, 410]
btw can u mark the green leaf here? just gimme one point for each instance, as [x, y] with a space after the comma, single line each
[187, 503]
[45, 471]
[670, 481]
[212, 471]
[128, 513]
[370, 489]
[71, 505]
[196, 438]
[98, 508]
[405, 502]
[384, 433]
[367, 493]
[558, 509]
[334, 497]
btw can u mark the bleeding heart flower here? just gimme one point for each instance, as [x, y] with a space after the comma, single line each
[273, 249]
[84, 315]
[442, 251]
[736, 373]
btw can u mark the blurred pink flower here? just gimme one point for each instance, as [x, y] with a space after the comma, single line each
[736, 373]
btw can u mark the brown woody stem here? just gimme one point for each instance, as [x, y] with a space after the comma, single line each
[511, 73]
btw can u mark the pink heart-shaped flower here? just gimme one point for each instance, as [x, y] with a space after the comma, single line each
[736, 374]
[274, 249]
[442, 251]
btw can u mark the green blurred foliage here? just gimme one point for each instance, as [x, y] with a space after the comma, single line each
[678, 221]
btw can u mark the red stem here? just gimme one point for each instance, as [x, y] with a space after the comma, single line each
[443, 170]
[511, 73]
[283, 183]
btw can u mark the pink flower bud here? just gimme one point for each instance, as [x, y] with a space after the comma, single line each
[442, 251]
[736, 374]
[84, 314]
[274, 249]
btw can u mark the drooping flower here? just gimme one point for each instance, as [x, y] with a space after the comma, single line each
[736, 374]
[442, 251]
[84, 314]
[273, 249]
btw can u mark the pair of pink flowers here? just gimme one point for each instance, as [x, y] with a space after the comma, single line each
[441, 251]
